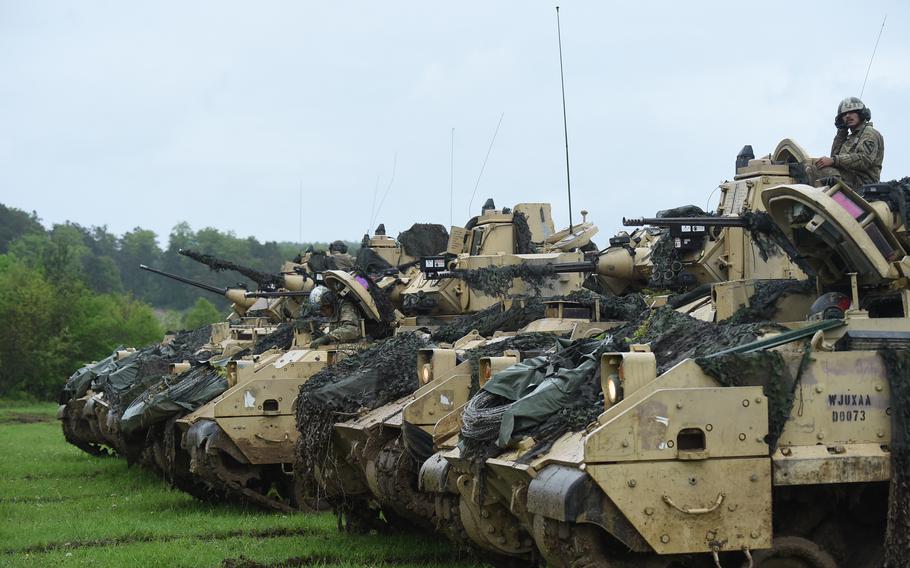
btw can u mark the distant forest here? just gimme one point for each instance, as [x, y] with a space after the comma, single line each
[107, 263]
[70, 294]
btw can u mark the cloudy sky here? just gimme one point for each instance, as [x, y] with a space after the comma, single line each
[131, 114]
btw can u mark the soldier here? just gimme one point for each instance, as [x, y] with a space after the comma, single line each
[339, 252]
[344, 318]
[856, 157]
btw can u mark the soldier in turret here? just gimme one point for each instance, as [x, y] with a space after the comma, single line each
[343, 324]
[858, 149]
[339, 252]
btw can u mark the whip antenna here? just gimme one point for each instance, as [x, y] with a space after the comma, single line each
[452, 181]
[482, 167]
[565, 123]
[373, 207]
[863, 90]
[386, 194]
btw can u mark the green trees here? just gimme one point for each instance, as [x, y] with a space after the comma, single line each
[202, 313]
[50, 329]
[71, 294]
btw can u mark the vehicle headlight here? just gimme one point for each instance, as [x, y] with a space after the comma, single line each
[614, 389]
[426, 373]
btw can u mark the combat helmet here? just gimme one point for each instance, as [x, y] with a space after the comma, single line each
[853, 104]
[321, 296]
[338, 246]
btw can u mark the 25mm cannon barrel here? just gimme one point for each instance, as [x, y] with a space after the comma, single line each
[708, 220]
[279, 294]
[185, 280]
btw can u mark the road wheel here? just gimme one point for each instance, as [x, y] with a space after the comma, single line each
[792, 552]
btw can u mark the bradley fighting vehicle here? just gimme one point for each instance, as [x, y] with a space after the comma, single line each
[503, 245]
[87, 397]
[242, 442]
[96, 395]
[244, 439]
[789, 450]
[372, 445]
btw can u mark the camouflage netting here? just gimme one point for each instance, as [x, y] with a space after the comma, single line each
[766, 369]
[379, 374]
[319, 261]
[424, 239]
[897, 535]
[612, 308]
[895, 192]
[771, 240]
[496, 281]
[678, 300]
[672, 336]
[370, 262]
[116, 377]
[263, 279]
[523, 244]
[763, 303]
[665, 263]
[492, 319]
[281, 338]
[173, 395]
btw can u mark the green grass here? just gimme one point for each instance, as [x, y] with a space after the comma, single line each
[61, 507]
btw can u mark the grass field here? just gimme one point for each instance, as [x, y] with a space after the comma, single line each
[62, 507]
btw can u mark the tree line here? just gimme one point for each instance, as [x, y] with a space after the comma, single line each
[70, 294]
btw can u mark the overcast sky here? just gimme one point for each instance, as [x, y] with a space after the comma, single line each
[131, 114]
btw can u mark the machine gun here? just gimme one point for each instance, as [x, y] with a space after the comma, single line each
[262, 279]
[295, 280]
[688, 233]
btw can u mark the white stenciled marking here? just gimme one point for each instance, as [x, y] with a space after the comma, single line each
[248, 400]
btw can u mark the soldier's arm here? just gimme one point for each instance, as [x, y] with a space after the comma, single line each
[347, 328]
[839, 139]
[866, 155]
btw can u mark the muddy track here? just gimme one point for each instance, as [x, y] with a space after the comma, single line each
[24, 418]
[117, 541]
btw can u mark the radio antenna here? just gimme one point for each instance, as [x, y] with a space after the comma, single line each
[300, 215]
[388, 187]
[452, 181]
[874, 49]
[373, 207]
[482, 167]
[565, 122]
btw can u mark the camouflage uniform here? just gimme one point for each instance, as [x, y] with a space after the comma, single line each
[345, 324]
[343, 260]
[858, 155]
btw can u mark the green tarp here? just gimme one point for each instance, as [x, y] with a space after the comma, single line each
[172, 396]
[538, 387]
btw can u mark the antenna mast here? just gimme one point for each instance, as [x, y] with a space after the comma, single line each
[452, 182]
[484, 165]
[874, 49]
[565, 122]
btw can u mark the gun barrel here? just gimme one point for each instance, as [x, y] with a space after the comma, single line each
[279, 294]
[565, 267]
[710, 221]
[263, 279]
[201, 285]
